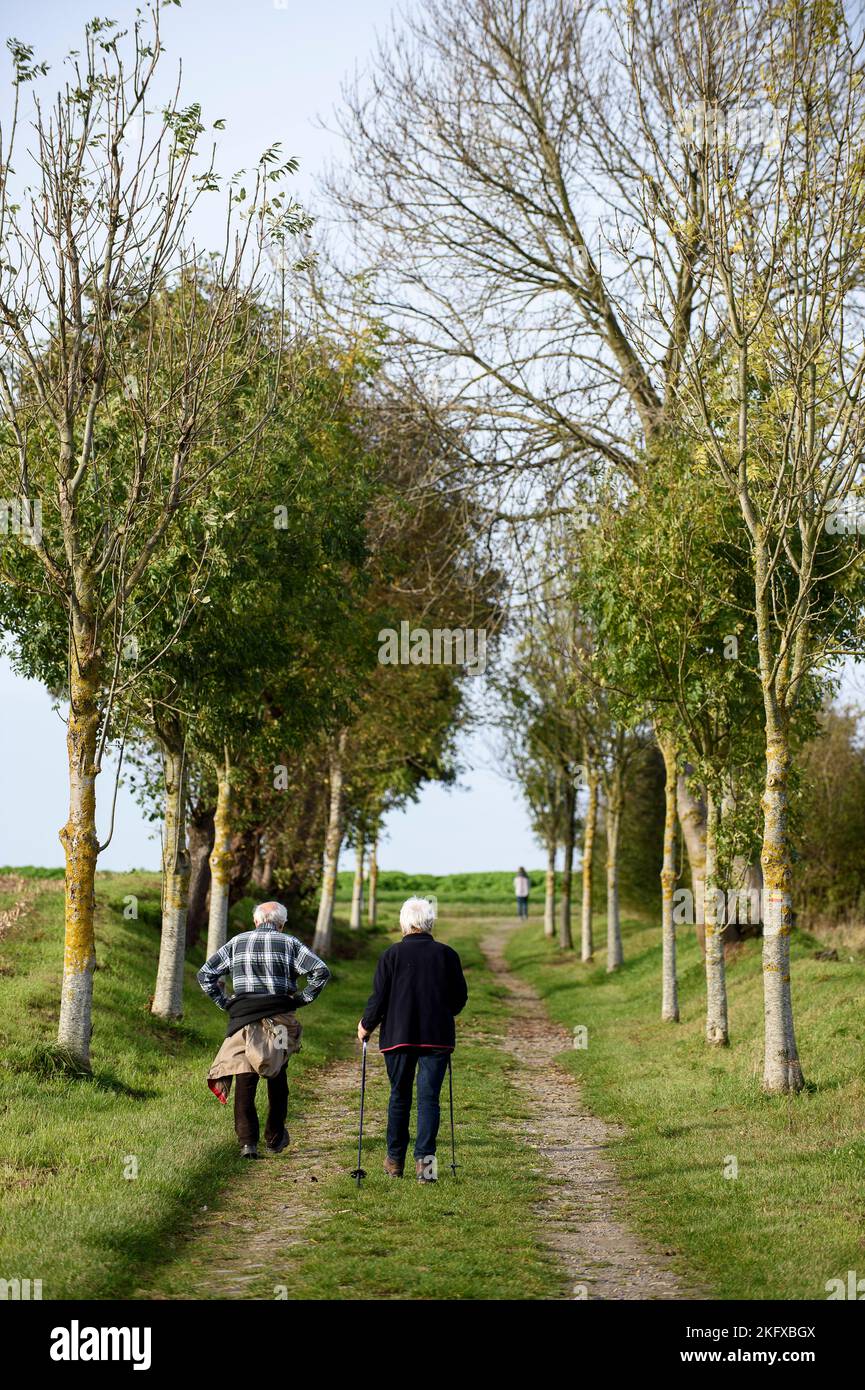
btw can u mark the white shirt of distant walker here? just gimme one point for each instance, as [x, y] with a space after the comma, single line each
[521, 886]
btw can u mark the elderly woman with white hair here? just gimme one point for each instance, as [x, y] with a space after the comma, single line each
[418, 990]
[264, 966]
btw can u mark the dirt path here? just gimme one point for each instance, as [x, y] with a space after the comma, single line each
[243, 1247]
[579, 1218]
[271, 1207]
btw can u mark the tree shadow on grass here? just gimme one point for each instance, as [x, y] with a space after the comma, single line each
[56, 1063]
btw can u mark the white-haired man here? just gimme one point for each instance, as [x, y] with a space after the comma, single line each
[418, 990]
[264, 966]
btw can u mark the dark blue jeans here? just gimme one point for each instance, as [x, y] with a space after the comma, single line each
[522, 907]
[430, 1064]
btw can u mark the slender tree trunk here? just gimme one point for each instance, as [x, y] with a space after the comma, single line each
[221, 860]
[550, 893]
[587, 952]
[264, 868]
[566, 942]
[782, 1071]
[613, 817]
[692, 818]
[716, 975]
[168, 994]
[669, 981]
[357, 886]
[323, 939]
[80, 843]
[200, 836]
[372, 890]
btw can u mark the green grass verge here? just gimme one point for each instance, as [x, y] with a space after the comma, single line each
[70, 1215]
[791, 1220]
[473, 1237]
[101, 1177]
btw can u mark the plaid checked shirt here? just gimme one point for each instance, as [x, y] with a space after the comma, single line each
[263, 961]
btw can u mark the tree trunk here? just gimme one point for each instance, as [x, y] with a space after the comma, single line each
[200, 835]
[669, 981]
[566, 942]
[80, 844]
[587, 952]
[168, 994]
[692, 818]
[613, 817]
[357, 886]
[716, 975]
[221, 860]
[782, 1071]
[323, 939]
[372, 901]
[550, 896]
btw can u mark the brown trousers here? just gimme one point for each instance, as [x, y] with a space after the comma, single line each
[246, 1114]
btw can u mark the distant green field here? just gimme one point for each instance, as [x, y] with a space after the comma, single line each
[449, 888]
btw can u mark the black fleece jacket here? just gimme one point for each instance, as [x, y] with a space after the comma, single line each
[251, 1008]
[418, 989]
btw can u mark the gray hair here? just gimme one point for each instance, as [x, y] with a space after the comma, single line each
[271, 914]
[417, 914]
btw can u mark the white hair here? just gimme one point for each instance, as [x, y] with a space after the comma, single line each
[273, 914]
[416, 914]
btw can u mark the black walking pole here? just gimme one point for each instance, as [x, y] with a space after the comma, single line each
[453, 1140]
[359, 1172]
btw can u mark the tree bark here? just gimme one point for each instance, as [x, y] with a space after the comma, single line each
[550, 891]
[692, 818]
[323, 940]
[357, 886]
[200, 833]
[782, 1071]
[168, 994]
[716, 975]
[372, 901]
[80, 842]
[221, 860]
[566, 942]
[669, 981]
[587, 952]
[613, 818]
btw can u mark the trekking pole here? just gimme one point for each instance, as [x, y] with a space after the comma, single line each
[453, 1140]
[359, 1172]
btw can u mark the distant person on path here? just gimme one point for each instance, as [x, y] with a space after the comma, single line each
[419, 988]
[521, 889]
[262, 1031]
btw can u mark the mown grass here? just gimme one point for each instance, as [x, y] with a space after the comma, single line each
[792, 1219]
[74, 1219]
[470, 1237]
[70, 1215]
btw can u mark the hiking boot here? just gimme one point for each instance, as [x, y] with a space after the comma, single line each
[281, 1143]
[249, 1151]
[393, 1167]
[426, 1169]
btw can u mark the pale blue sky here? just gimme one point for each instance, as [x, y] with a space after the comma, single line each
[269, 70]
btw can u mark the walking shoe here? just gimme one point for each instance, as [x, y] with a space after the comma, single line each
[249, 1151]
[426, 1169]
[280, 1144]
[393, 1167]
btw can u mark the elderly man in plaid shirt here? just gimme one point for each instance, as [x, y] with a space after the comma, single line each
[264, 966]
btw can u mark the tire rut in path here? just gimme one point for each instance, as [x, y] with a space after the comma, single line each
[245, 1247]
[578, 1217]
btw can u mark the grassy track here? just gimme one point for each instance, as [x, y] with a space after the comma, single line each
[72, 1219]
[793, 1218]
[70, 1216]
[787, 1224]
[473, 1238]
